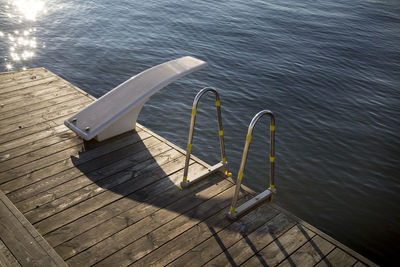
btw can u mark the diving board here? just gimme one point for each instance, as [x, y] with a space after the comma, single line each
[117, 111]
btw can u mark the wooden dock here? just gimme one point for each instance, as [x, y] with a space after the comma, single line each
[117, 203]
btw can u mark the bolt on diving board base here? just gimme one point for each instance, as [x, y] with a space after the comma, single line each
[251, 204]
[213, 169]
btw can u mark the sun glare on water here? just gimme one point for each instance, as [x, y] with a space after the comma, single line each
[29, 9]
[22, 43]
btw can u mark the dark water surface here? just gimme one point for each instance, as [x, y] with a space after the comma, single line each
[329, 70]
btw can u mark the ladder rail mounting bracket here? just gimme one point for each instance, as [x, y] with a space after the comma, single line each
[219, 167]
[252, 203]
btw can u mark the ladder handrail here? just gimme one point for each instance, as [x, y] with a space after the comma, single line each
[191, 130]
[252, 124]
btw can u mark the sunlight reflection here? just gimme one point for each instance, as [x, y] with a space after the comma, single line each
[30, 9]
[20, 39]
[22, 45]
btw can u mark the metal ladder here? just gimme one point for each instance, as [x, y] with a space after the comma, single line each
[222, 166]
[234, 211]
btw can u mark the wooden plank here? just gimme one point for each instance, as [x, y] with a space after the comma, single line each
[6, 257]
[22, 76]
[337, 258]
[39, 164]
[19, 189]
[11, 113]
[26, 135]
[282, 247]
[128, 235]
[18, 89]
[32, 143]
[24, 79]
[76, 88]
[66, 159]
[40, 113]
[27, 246]
[21, 100]
[63, 171]
[28, 127]
[107, 183]
[21, 140]
[23, 103]
[310, 254]
[359, 264]
[91, 144]
[36, 155]
[97, 202]
[179, 245]
[221, 241]
[84, 232]
[101, 200]
[18, 122]
[10, 75]
[135, 211]
[83, 184]
[193, 157]
[170, 230]
[251, 244]
[40, 153]
[36, 145]
[328, 238]
[34, 119]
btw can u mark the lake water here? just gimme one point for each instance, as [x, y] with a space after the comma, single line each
[329, 70]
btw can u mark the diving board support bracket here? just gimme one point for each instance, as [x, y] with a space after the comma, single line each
[117, 111]
[213, 169]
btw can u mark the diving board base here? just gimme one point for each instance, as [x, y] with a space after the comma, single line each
[116, 112]
[126, 123]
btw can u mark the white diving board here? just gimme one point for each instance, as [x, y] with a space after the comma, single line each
[117, 111]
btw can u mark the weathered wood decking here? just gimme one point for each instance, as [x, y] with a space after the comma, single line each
[117, 202]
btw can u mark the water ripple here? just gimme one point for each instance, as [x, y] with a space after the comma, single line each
[330, 71]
